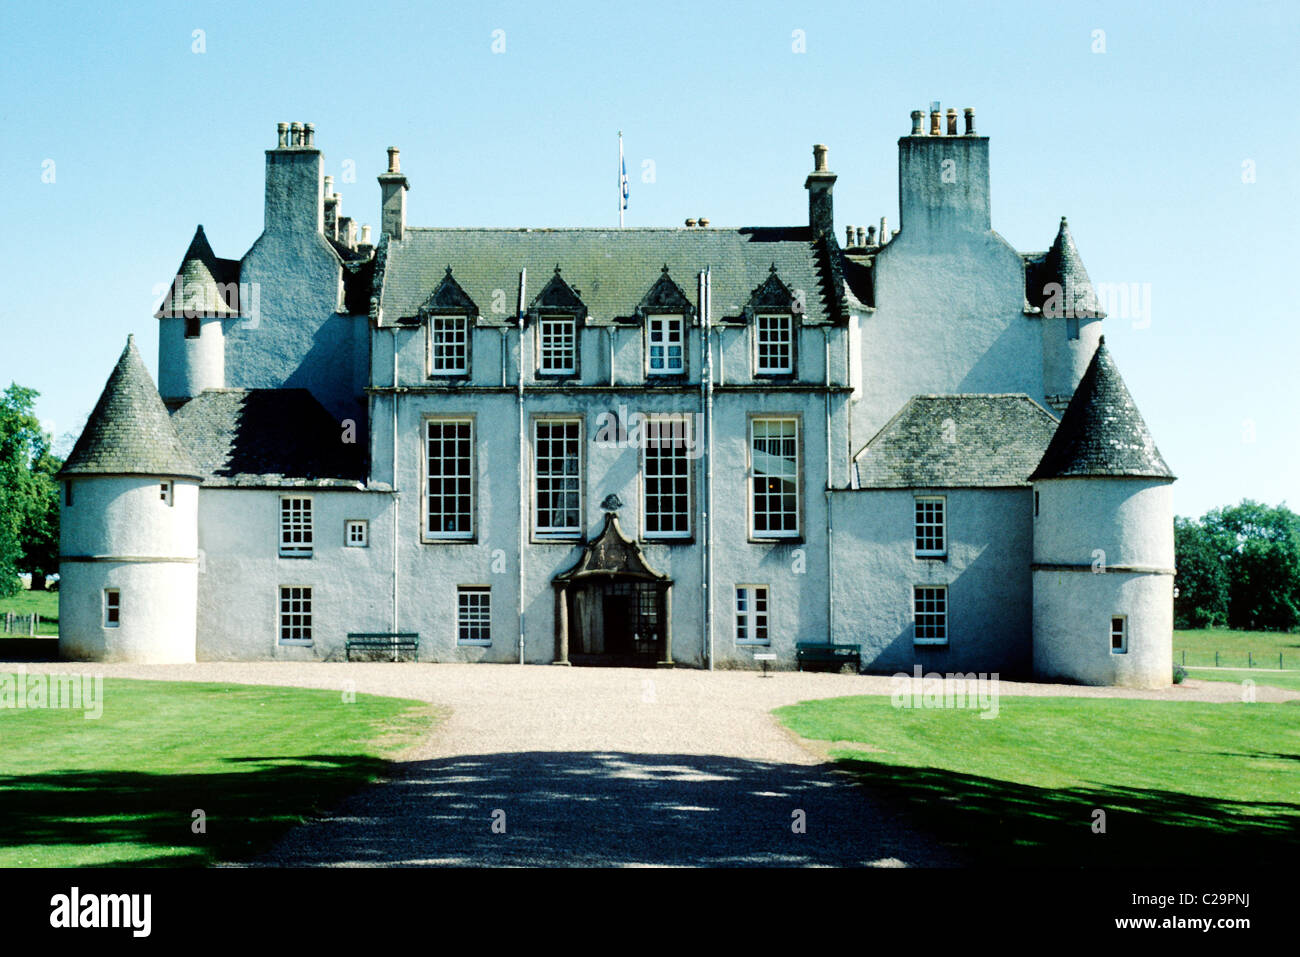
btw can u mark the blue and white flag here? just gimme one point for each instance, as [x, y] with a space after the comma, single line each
[622, 164]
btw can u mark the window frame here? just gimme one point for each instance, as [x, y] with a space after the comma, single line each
[917, 525]
[750, 618]
[433, 372]
[542, 321]
[111, 611]
[307, 596]
[194, 331]
[1123, 634]
[348, 524]
[427, 535]
[788, 319]
[666, 320]
[767, 535]
[167, 492]
[67, 494]
[290, 551]
[916, 613]
[551, 533]
[465, 591]
[686, 534]
[1071, 328]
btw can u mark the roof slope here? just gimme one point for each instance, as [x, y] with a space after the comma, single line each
[1102, 432]
[957, 441]
[611, 270]
[267, 437]
[129, 431]
[204, 285]
[1061, 267]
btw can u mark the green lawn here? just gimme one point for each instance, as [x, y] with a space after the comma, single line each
[121, 790]
[1290, 680]
[44, 603]
[1233, 647]
[1182, 783]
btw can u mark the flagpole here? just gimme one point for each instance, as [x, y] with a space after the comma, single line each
[620, 179]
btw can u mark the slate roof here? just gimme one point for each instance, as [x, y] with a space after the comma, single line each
[267, 437]
[610, 270]
[195, 290]
[1063, 266]
[957, 441]
[129, 432]
[1102, 432]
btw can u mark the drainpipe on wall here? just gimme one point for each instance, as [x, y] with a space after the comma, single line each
[523, 451]
[706, 440]
[396, 496]
[830, 480]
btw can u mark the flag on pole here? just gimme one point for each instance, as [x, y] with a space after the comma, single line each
[622, 179]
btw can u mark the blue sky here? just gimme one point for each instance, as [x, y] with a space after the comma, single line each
[1145, 147]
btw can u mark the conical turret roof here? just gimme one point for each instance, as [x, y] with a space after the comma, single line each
[1102, 432]
[196, 289]
[129, 432]
[1061, 267]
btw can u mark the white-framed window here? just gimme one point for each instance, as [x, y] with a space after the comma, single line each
[666, 477]
[930, 606]
[474, 615]
[751, 614]
[557, 477]
[112, 607]
[774, 486]
[295, 526]
[356, 533]
[295, 615]
[665, 345]
[557, 345]
[774, 344]
[930, 533]
[165, 491]
[1119, 635]
[448, 345]
[449, 478]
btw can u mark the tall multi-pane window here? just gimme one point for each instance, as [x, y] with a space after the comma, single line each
[295, 613]
[474, 614]
[929, 532]
[666, 473]
[557, 478]
[557, 340]
[1119, 635]
[774, 345]
[449, 471]
[774, 486]
[448, 345]
[751, 614]
[295, 526]
[665, 352]
[931, 611]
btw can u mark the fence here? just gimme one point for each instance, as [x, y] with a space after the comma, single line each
[16, 624]
[1233, 659]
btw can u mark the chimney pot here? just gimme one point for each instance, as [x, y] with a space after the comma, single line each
[704, 221]
[935, 129]
[862, 236]
[849, 233]
[917, 116]
[952, 121]
[690, 222]
[295, 134]
[970, 121]
[884, 230]
[394, 160]
[329, 185]
[282, 135]
[309, 134]
[819, 158]
[871, 235]
[365, 235]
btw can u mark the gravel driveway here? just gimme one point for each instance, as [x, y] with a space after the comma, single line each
[584, 766]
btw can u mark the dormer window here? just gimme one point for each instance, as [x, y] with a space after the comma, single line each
[665, 345]
[774, 344]
[448, 345]
[557, 342]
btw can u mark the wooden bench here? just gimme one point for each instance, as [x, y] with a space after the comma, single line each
[834, 657]
[394, 641]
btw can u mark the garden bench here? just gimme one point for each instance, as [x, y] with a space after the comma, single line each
[394, 641]
[834, 656]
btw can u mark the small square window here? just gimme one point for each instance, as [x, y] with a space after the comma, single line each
[1119, 635]
[474, 615]
[165, 492]
[112, 607]
[193, 327]
[356, 533]
[1072, 327]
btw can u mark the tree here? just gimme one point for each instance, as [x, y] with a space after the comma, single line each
[1260, 549]
[29, 502]
[1202, 577]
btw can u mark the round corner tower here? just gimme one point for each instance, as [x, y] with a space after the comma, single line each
[191, 330]
[1071, 316]
[1103, 566]
[128, 541]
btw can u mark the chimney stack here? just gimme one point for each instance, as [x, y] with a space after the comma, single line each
[884, 230]
[932, 200]
[820, 184]
[295, 194]
[393, 185]
[347, 232]
[331, 209]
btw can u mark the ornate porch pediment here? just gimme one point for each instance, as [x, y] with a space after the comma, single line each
[611, 555]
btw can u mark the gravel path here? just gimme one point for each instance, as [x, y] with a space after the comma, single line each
[607, 767]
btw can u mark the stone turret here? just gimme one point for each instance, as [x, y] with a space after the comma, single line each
[1103, 567]
[191, 333]
[128, 545]
[1071, 315]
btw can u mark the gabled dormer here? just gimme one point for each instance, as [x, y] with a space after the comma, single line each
[773, 313]
[665, 313]
[557, 312]
[448, 316]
